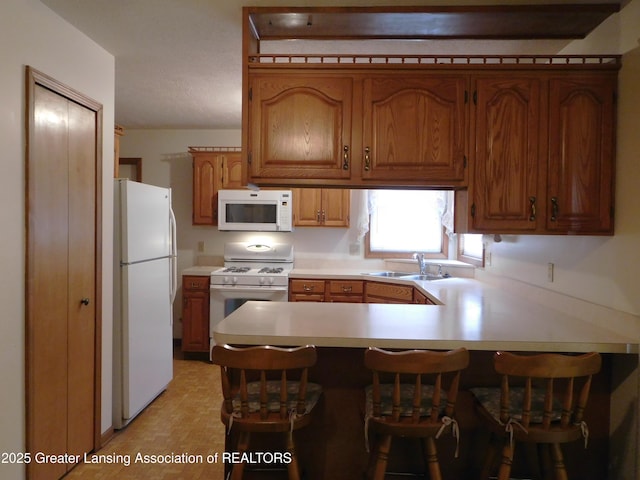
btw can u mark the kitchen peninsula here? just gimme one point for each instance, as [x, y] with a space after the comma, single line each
[479, 316]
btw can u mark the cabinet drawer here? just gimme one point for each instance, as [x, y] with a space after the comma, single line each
[346, 287]
[195, 282]
[306, 286]
[390, 291]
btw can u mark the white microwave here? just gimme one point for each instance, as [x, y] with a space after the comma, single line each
[255, 210]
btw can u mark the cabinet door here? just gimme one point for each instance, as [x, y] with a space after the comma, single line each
[231, 170]
[195, 314]
[307, 203]
[205, 201]
[414, 128]
[504, 164]
[581, 154]
[378, 292]
[335, 207]
[321, 207]
[300, 127]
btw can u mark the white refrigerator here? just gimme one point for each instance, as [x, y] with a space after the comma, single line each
[145, 282]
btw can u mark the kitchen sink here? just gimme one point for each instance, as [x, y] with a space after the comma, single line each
[388, 274]
[425, 276]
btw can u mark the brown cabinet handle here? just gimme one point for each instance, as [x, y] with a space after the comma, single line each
[554, 209]
[308, 288]
[367, 159]
[346, 289]
[345, 158]
[532, 202]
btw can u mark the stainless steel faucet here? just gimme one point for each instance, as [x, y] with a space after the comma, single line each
[421, 263]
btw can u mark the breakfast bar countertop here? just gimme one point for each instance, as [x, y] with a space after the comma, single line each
[470, 313]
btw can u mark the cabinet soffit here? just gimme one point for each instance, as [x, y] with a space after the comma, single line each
[500, 22]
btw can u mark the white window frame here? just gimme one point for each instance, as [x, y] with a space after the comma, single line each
[373, 253]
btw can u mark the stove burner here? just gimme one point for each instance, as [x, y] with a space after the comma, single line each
[271, 270]
[236, 269]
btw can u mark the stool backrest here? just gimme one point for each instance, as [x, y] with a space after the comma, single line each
[555, 387]
[266, 365]
[424, 369]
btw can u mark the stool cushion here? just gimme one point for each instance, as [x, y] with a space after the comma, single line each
[406, 399]
[489, 398]
[313, 393]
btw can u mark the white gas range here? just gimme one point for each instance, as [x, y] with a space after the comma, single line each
[252, 271]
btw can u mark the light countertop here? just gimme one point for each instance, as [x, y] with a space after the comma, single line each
[470, 313]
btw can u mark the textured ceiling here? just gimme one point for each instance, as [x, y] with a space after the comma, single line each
[178, 62]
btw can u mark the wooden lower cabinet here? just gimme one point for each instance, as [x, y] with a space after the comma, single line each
[354, 291]
[195, 313]
[346, 291]
[421, 299]
[303, 290]
[380, 292]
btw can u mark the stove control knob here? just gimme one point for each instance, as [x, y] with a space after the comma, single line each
[261, 280]
[234, 280]
[225, 280]
[270, 280]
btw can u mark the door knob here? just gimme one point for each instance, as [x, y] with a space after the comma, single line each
[84, 301]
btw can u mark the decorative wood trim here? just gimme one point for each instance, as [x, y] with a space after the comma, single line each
[438, 61]
[215, 149]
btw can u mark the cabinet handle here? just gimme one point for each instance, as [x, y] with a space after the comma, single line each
[345, 158]
[84, 301]
[367, 159]
[554, 209]
[532, 202]
[308, 288]
[346, 289]
[324, 216]
[317, 216]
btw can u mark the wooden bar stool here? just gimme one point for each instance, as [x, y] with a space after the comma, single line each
[257, 401]
[419, 403]
[541, 401]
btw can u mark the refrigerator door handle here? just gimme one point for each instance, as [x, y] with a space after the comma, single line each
[174, 256]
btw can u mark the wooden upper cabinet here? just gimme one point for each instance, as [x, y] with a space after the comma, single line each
[414, 129]
[299, 127]
[214, 168]
[321, 207]
[505, 159]
[581, 154]
[205, 201]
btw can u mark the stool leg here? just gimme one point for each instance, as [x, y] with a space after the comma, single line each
[490, 459]
[381, 457]
[558, 462]
[545, 461]
[243, 446]
[292, 467]
[505, 463]
[431, 455]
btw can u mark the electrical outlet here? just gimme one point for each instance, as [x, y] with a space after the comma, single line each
[200, 246]
[550, 267]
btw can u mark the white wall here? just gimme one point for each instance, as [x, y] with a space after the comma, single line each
[31, 34]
